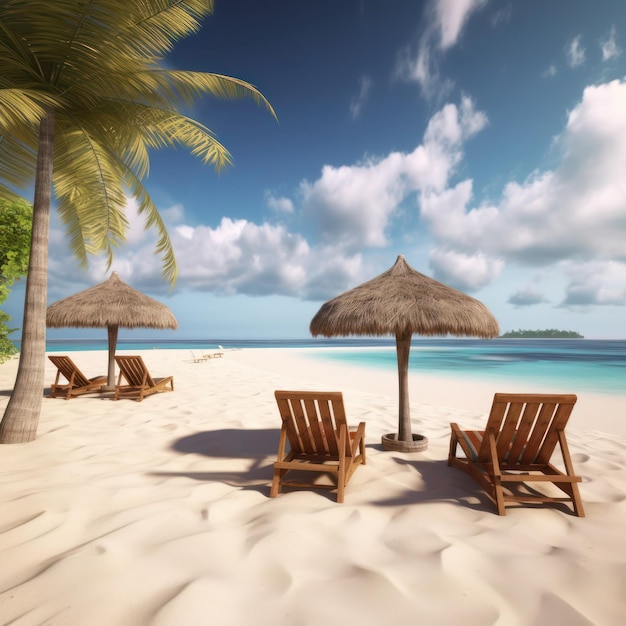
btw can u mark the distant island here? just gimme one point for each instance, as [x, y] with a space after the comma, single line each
[551, 333]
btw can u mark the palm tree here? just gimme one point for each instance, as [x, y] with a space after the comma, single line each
[83, 99]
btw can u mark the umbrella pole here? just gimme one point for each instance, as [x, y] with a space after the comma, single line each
[403, 346]
[112, 332]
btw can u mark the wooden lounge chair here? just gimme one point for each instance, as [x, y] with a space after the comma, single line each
[214, 355]
[198, 358]
[515, 448]
[77, 383]
[314, 423]
[139, 383]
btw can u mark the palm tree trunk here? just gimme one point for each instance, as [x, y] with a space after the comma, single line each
[21, 416]
[403, 346]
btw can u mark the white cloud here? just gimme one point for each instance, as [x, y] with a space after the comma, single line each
[577, 210]
[609, 47]
[279, 204]
[235, 257]
[451, 17]
[574, 52]
[550, 71]
[596, 282]
[172, 215]
[453, 125]
[444, 24]
[502, 16]
[467, 272]
[527, 296]
[239, 256]
[352, 206]
[358, 102]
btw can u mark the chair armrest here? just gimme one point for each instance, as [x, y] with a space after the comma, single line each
[356, 436]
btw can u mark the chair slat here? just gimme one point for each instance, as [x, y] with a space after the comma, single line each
[301, 424]
[318, 437]
[289, 424]
[551, 440]
[329, 424]
[519, 439]
[496, 415]
[509, 427]
[538, 432]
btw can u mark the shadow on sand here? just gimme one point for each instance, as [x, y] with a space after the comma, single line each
[442, 483]
[258, 447]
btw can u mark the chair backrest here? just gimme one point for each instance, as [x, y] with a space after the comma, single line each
[526, 426]
[134, 371]
[68, 368]
[312, 420]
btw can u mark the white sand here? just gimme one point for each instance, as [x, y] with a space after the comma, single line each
[126, 513]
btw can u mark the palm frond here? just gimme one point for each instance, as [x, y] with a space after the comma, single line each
[6, 193]
[88, 185]
[153, 219]
[164, 22]
[17, 161]
[176, 85]
[168, 128]
[19, 107]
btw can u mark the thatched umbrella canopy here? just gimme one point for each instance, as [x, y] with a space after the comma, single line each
[109, 305]
[401, 302]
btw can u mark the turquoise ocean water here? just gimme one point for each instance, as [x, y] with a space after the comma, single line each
[573, 365]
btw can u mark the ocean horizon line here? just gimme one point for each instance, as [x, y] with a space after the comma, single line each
[317, 340]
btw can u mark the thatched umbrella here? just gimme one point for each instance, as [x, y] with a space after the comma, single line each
[109, 305]
[400, 302]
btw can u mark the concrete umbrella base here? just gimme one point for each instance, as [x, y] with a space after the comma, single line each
[390, 442]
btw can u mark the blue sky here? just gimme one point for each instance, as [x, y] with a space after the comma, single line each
[483, 139]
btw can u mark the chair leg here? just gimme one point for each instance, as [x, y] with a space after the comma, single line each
[341, 483]
[572, 490]
[577, 501]
[276, 482]
[355, 433]
[453, 442]
[495, 477]
[499, 497]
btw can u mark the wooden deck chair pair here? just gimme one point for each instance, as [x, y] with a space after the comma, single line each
[214, 355]
[77, 383]
[314, 425]
[138, 381]
[514, 450]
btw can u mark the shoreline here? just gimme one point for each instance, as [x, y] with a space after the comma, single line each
[593, 411]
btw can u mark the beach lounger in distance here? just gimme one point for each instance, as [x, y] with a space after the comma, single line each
[214, 355]
[139, 383]
[77, 383]
[514, 450]
[314, 425]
